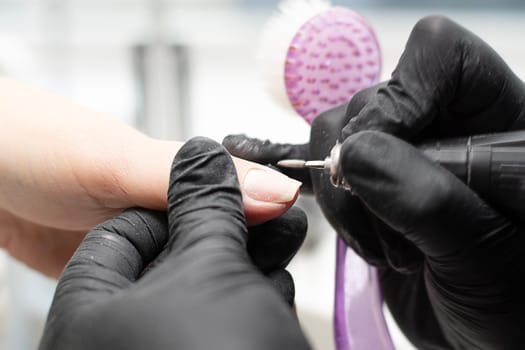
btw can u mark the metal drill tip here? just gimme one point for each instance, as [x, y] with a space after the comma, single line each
[292, 163]
[317, 164]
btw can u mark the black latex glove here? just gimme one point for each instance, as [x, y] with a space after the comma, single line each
[451, 266]
[203, 292]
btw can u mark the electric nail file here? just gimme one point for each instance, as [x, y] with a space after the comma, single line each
[493, 165]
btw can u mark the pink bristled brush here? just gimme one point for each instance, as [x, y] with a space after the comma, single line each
[315, 57]
[325, 54]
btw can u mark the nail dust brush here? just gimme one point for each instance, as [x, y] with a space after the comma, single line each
[315, 56]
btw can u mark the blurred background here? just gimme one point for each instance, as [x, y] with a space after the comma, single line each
[181, 68]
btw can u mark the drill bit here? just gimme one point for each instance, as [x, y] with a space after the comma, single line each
[301, 163]
[330, 165]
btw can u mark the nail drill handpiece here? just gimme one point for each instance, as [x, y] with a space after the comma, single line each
[492, 165]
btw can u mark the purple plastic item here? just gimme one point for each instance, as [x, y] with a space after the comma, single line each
[332, 56]
[359, 323]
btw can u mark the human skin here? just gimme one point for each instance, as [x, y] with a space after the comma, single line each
[66, 168]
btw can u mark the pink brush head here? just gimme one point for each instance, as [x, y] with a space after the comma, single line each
[332, 56]
[326, 53]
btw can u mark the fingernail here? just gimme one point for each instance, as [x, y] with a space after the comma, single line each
[267, 185]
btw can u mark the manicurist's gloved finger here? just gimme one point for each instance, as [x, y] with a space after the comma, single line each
[109, 260]
[267, 153]
[448, 82]
[263, 151]
[272, 245]
[283, 282]
[472, 254]
[114, 253]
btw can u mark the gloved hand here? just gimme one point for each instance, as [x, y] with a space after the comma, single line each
[450, 265]
[146, 281]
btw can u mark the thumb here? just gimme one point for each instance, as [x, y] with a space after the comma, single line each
[416, 197]
[204, 199]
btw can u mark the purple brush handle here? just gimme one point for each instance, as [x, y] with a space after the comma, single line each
[359, 323]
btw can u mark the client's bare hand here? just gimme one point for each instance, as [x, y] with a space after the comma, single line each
[65, 169]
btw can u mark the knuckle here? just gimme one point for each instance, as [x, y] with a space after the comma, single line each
[299, 219]
[369, 136]
[371, 143]
[362, 98]
[435, 27]
[332, 118]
